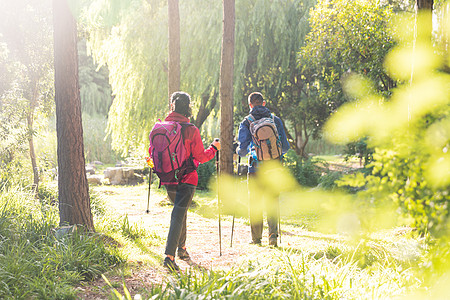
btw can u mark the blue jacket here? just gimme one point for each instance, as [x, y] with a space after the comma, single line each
[245, 137]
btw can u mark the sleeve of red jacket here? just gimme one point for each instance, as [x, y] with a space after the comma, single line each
[198, 152]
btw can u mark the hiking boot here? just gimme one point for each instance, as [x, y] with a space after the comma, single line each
[273, 238]
[171, 265]
[256, 242]
[183, 254]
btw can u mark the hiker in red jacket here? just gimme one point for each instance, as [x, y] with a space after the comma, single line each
[180, 193]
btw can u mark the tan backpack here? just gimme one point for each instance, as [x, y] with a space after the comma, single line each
[265, 137]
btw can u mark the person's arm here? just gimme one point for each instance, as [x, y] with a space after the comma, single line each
[285, 146]
[244, 139]
[199, 153]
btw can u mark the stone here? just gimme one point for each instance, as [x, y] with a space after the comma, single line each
[122, 176]
[90, 170]
[95, 179]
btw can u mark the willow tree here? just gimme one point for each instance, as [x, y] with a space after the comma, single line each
[134, 46]
[174, 46]
[73, 189]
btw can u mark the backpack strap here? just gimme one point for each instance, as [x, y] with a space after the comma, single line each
[250, 118]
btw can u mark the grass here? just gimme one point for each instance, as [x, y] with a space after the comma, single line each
[37, 264]
[34, 263]
[289, 275]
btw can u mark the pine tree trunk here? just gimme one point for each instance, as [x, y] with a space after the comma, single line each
[174, 46]
[74, 203]
[226, 88]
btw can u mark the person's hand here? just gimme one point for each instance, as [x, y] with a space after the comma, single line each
[216, 144]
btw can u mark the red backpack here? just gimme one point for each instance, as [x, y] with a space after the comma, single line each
[168, 152]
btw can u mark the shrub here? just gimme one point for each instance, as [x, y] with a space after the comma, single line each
[306, 172]
[205, 174]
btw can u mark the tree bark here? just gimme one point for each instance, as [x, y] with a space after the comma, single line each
[301, 140]
[30, 122]
[174, 46]
[425, 4]
[74, 203]
[32, 152]
[226, 88]
[425, 23]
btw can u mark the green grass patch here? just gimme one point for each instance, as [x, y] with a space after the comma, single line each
[37, 264]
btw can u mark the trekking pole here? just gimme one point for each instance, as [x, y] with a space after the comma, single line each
[279, 218]
[234, 212]
[150, 166]
[218, 202]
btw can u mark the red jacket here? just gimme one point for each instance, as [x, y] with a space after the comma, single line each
[194, 145]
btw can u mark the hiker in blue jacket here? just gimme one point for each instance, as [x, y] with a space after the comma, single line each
[246, 145]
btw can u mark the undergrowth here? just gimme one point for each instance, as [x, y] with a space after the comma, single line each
[35, 263]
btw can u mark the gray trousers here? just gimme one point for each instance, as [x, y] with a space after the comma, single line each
[257, 200]
[181, 196]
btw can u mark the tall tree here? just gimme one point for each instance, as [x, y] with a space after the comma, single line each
[425, 22]
[268, 34]
[74, 203]
[226, 88]
[174, 46]
[26, 30]
[346, 38]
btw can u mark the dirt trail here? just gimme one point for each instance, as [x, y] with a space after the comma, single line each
[202, 240]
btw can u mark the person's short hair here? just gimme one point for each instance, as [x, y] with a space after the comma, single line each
[255, 98]
[182, 103]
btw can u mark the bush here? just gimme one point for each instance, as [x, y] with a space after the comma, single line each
[306, 172]
[205, 174]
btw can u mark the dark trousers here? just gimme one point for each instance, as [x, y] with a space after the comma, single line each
[258, 198]
[181, 197]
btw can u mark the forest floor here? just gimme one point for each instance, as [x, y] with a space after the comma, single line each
[202, 241]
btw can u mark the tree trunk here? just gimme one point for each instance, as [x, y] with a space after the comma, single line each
[207, 105]
[226, 88]
[425, 25]
[32, 152]
[425, 4]
[74, 203]
[30, 122]
[301, 140]
[174, 46]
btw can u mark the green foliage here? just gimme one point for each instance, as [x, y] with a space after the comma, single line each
[345, 38]
[95, 91]
[306, 172]
[134, 46]
[97, 145]
[206, 173]
[34, 263]
[48, 194]
[411, 160]
[132, 232]
[329, 180]
[360, 149]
